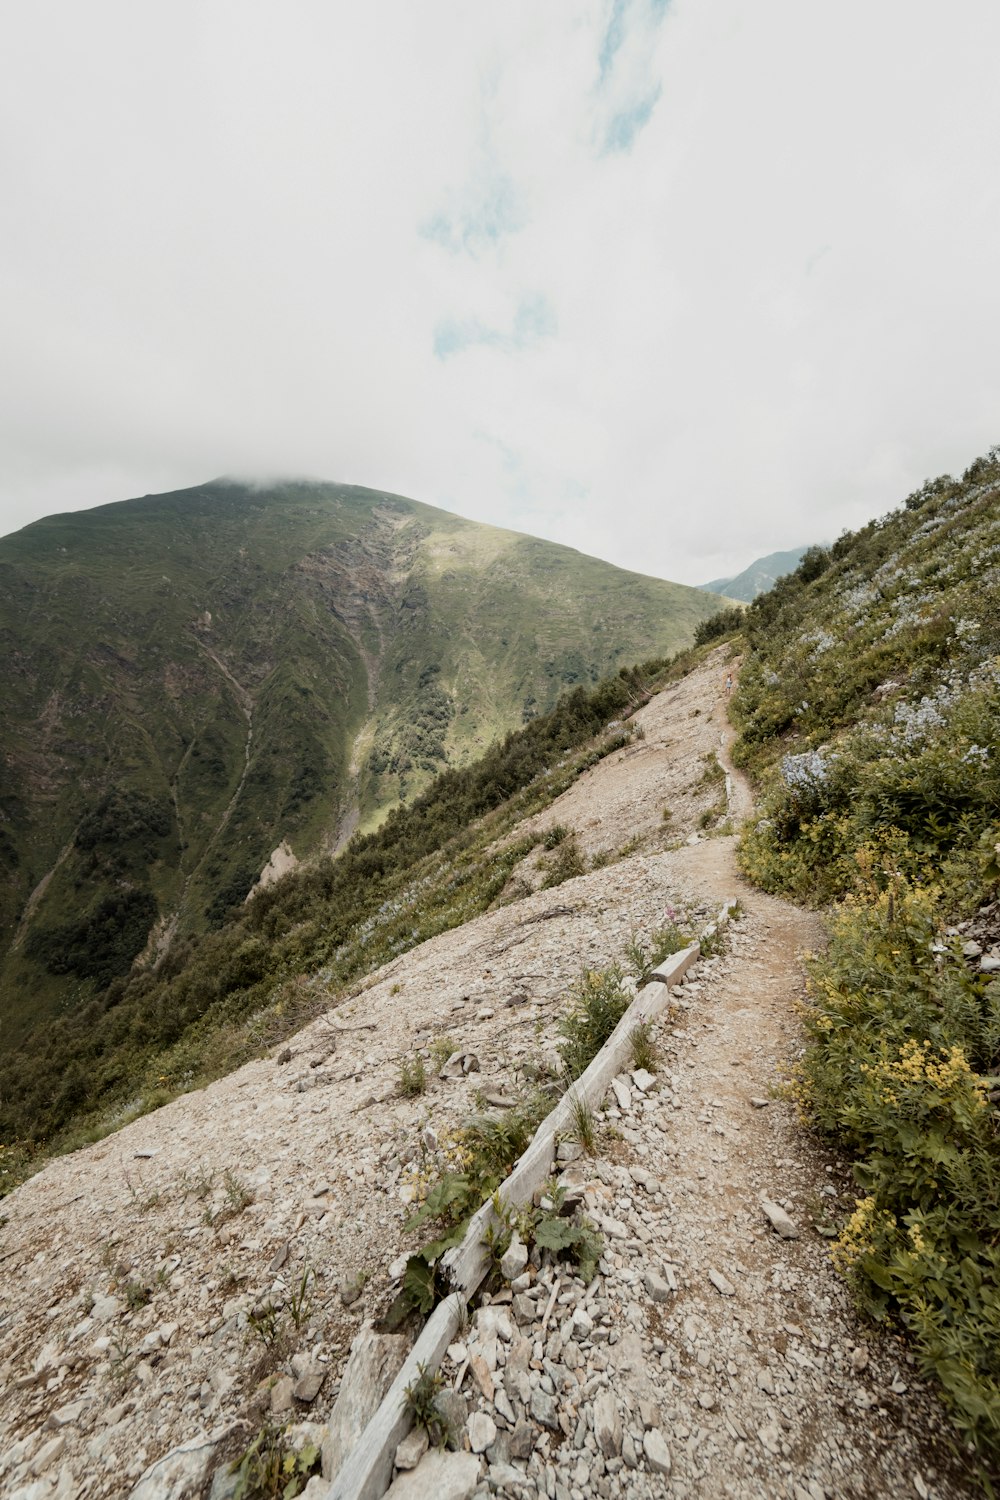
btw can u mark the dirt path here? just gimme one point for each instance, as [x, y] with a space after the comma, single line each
[770, 1386]
[131, 1268]
[715, 1358]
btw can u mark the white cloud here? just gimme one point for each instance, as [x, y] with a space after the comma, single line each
[677, 284]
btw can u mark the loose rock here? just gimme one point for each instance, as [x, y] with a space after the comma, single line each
[779, 1220]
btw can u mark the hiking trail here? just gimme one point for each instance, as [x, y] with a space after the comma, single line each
[710, 1357]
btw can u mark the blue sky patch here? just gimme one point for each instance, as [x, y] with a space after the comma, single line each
[626, 124]
[534, 319]
[486, 210]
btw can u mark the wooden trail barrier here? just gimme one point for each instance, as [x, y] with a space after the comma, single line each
[366, 1472]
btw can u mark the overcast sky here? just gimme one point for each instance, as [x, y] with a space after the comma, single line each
[676, 282]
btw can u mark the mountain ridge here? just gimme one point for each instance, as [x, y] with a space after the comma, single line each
[194, 678]
[759, 576]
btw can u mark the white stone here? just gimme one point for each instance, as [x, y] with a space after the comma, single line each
[412, 1449]
[494, 1322]
[181, 1473]
[371, 1368]
[779, 1220]
[514, 1259]
[66, 1416]
[656, 1451]
[482, 1432]
[48, 1454]
[583, 1324]
[569, 1151]
[438, 1476]
[770, 1437]
[503, 1406]
[622, 1093]
[316, 1489]
[607, 1425]
[506, 1479]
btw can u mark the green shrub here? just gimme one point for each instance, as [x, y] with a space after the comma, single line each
[599, 1002]
[725, 622]
[413, 1077]
[574, 1236]
[643, 960]
[103, 943]
[480, 1155]
[424, 1408]
[645, 1053]
[584, 1124]
[904, 1045]
[270, 1469]
[567, 864]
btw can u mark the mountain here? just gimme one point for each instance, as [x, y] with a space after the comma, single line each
[758, 577]
[867, 706]
[195, 680]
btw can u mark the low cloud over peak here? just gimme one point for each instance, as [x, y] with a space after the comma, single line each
[676, 284]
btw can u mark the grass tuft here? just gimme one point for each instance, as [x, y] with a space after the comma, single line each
[599, 1002]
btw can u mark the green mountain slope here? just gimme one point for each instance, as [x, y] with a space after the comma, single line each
[869, 712]
[222, 996]
[758, 577]
[191, 678]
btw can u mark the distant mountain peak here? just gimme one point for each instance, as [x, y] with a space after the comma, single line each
[758, 577]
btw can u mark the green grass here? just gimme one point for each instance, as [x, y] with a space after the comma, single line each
[599, 1002]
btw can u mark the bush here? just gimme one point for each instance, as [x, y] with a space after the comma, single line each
[599, 1002]
[102, 945]
[412, 1077]
[725, 622]
[567, 864]
[904, 1045]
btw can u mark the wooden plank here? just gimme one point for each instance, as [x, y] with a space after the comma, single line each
[367, 1471]
[467, 1264]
